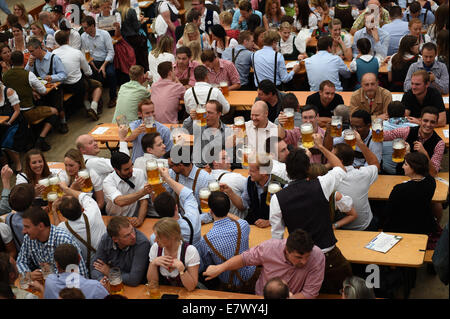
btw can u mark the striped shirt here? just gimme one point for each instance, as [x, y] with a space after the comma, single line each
[227, 73]
[223, 236]
[403, 133]
[34, 252]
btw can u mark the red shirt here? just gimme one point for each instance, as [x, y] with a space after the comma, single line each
[227, 73]
[233, 34]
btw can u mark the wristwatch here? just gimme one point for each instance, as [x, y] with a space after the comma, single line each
[182, 272]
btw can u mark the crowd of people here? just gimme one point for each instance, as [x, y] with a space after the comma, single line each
[159, 72]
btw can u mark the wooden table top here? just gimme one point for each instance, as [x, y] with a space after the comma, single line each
[52, 86]
[381, 189]
[3, 119]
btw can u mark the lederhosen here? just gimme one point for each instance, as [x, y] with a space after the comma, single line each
[177, 280]
[86, 243]
[54, 97]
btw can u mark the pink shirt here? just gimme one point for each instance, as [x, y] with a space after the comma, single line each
[227, 73]
[184, 75]
[166, 96]
[270, 254]
[293, 136]
[403, 133]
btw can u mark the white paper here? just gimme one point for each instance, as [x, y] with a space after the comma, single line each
[445, 98]
[100, 130]
[291, 64]
[383, 242]
[397, 97]
[106, 23]
[445, 133]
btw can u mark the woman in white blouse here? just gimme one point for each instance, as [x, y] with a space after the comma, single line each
[38, 31]
[161, 53]
[25, 19]
[166, 266]
[220, 40]
[74, 163]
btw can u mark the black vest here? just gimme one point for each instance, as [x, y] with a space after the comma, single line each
[258, 208]
[303, 205]
[429, 144]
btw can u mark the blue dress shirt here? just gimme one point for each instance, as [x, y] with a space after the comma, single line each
[429, 20]
[325, 66]
[264, 62]
[43, 68]
[379, 48]
[92, 289]
[137, 145]
[396, 29]
[243, 62]
[100, 45]
[243, 26]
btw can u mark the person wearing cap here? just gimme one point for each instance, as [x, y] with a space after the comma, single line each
[57, 13]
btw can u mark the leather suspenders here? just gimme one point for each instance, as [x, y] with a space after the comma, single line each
[207, 98]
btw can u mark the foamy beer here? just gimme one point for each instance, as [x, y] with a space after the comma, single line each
[204, 195]
[122, 120]
[214, 186]
[399, 147]
[289, 112]
[87, 183]
[377, 130]
[349, 138]
[336, 126]
[273, 188]
[87, 53]
[54, 185]
[307, 135]
[45, 182]
[246, 151]
[149, 123]
[152, 172]
[115, 281]
[201, 115]
[224, 87]
[51, 197]
[239, 123]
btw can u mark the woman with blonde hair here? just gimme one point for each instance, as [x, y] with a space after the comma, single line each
[274, 12]
[172, 262]
[25, 19]
[38, 31]
[192, 34]
[74, 163]
[161, 53]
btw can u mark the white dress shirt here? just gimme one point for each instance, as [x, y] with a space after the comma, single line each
[154, 62]
[257, 137]
[74, 61]
[96, 224]
[236, 182]
[279, 169]
[102, 165]
[141, 162]
[201, 91]
[114, 186]
[328, 182]
[356, 184]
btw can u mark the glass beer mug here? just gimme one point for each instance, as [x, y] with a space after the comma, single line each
[336, 126]
[239, 124]
[152, 172]
[54, 185]
[377, 130]
[87, 182]
[399, 150]
[149, 123]
[273, 188]
[45, 182]
[122, 120]
[350, 138]
[307, 135]
[289, 113]
[115, 281]
[204, 195]
[201, 115]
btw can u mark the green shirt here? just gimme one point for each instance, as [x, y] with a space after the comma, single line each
[130, 94]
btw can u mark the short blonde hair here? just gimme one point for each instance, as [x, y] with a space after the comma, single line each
[270, 37]
[285, 25]
[168, 228]
[135, 72]
[226, 17]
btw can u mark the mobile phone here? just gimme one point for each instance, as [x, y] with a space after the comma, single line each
[169, 296]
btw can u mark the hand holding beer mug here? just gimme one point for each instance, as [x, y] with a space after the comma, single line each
[25, 281]
[399, 150]
[46, 269]
[214, 186]
[149, 123]
[153, 289]
[46, 184]
[239, 125]
[289, 113]
[224, 87]
[54, 185]
[115, 281]
[336, 126]
[204, 195]
[201, 115]
[152, 172]
[246, 152]
[307, 135]
[274, 187]
[51, 198]
[87, 54]
[122, 121]
[350, 138]
[377, 130]
[87, 186]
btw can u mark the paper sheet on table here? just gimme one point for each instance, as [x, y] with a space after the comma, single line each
[291, 64]
[445, 133]
[100, 130]
[397, 97]
[445, 98]
[383, 242]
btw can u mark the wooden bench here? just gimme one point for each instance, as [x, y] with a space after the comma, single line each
[428, 256]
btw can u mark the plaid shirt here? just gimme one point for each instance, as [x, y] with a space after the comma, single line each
[223, 236]
[227, 73]
[34, 252]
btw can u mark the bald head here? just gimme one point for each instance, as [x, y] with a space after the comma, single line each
[259, 114]
[87, 145]
[369, 84]
[344, 111]
[375, 2]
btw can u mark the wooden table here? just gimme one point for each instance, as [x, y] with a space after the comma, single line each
[57, 165]
[145, 4]
[381, 189]
[3, 119]
[440, 132]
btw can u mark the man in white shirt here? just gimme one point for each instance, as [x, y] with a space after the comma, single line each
[154, 148]
[202, 92]
[126, 190]
[84, 221]
[278, 150]
[74, 62]
[357, 181]
[89, 148]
